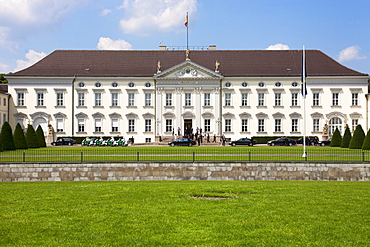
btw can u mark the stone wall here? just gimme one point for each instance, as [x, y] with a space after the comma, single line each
[184, 171]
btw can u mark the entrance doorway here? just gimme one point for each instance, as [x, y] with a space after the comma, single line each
[188, 126]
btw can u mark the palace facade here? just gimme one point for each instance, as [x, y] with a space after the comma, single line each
[153, 94]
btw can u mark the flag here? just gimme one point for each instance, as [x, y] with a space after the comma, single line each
[304, 75]
[186, 20]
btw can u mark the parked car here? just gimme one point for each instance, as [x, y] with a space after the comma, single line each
[324, 143]
[309, 141]
[243, 141]
[283, 141]
[182, 142]
[64, 141]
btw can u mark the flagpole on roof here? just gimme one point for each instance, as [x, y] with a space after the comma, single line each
[187, 30]
[304, 93]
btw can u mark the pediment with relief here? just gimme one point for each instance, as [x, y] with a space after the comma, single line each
[188, 70]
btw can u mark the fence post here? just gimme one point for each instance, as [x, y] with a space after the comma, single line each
[24, 156]
[138, 158]
[249, 155]
[82, 157]
[193, 156]
[363, 156]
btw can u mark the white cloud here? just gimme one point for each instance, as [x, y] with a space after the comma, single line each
[32, 57]
[4, 68]
[105, 12]
[278, 47]
[146, 16]
[28, 17]
[350, 53]
[109, 44]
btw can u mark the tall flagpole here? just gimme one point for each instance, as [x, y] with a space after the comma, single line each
[304, 93]
[187, 30]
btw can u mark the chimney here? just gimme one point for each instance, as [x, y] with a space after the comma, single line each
[162, 47]
[212, 47]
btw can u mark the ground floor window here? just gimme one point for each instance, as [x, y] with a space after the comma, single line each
[147, 140]
[148, 125]
[261, 125]
[114, 125]
[60, 125]
[244, 125]
[316, 125]
[227, 125]
[81, 125]
[131, 125]
[335, 123]
[98, 125]
[354, 124]
[207, 125]
[277, 125]
[168, 125]
[294, 125]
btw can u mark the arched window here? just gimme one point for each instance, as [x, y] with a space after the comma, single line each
[334, 123]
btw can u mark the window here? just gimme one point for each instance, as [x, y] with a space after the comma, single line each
[4, 102]
[277, 99]
[316, 99]
[261, 99]
[277, 125]
[4, 118]
[131, 99]
[261, 125]
[131, 125]
[335, 99]
[294, 84]
[316, 125]
[294, 99]
[227, 125]
[60, 99]
[114, 84]
[244, 125]
[20, 99]
[114, 125]
[261, 84]
[148, 99]
[168, 125]
[148, 84]
[227, 84]
[354, 124]
[148, 140]
[227, 99]
[98, 84]
[207, 99]
[98, 125]
[188, 99]
[354, 99]
[244, 99]
[244, 84]
[60, 125]
[81, 99]
[81, 84]
[207, 125]
[131, 84]
[278, 84]
[148, 125]
[294, 125]
[81, 125]
[114, 99]
[40, 99]
[168, 99]
[335, 123]
[97, 99]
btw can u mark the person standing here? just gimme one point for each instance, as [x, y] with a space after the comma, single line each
[214, 138]
[223, 140]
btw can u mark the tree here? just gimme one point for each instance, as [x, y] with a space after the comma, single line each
[31, 137]
[346, 138]
[7, 137]
[336, 139]
[366, 144]
[40, 137]
[357, 138]
[2, 79]
[19, 138]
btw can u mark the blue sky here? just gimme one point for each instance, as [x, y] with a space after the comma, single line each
[31, 29]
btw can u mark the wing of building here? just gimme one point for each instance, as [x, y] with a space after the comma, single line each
[150, 95]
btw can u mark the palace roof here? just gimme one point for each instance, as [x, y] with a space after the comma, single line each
[233, 63]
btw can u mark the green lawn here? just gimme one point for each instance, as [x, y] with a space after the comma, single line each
[112, 154]
[168, 213]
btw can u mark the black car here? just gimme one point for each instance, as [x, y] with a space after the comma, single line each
[309, 141]
[324, 143]
[243, 141]
[182, 142]
[283, 141]
[64, 141]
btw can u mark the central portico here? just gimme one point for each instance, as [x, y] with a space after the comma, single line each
[188, 97]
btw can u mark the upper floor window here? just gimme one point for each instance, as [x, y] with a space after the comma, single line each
[244, 99]
[227, 84]
[244, 84]
[40, 99]
[81, 99]
[227, 99]
[261, 99]
[355, 99]
[168, 99]
[207, 99]
[261, 84]
[188, 99]
[148, 84]
[316, 99]
[98, 99]
[114, 84]
[81, 84]
[278, 84]
[131, 84]
[98, 84]
[294, 84]
[148, 99]
[294, 99]
[60, 99]
[131, 99]
[4, 102]
[335, 101]
[277, 99]
[114, 99]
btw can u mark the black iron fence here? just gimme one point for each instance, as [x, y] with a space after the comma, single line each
[184, 154]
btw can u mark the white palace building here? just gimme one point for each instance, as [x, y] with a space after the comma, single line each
[153, 94]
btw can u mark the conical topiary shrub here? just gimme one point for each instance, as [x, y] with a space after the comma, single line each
[19, 138]
[7, 137]
[336, 139]
[357, 138]
[366, 144]
[31, 137]
[40, 137]
[346, 138]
